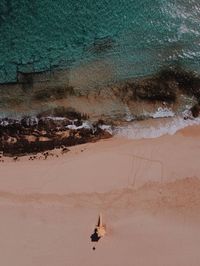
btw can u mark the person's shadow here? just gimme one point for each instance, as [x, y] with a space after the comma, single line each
[94, 237]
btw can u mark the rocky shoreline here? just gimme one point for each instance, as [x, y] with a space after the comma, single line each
[31, 135]
[35, 93]
[59, 115]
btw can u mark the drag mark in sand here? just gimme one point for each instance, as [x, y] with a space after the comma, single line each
[136, 167]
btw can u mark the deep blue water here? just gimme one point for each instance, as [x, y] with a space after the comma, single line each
[132, 37]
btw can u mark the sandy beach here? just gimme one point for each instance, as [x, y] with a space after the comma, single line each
[147, 191]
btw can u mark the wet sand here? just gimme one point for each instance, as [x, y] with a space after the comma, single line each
[147, 190]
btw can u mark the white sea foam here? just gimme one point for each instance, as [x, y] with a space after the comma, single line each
[107, 128]
[162, 112]
[55, 118]
[85, 124]
[4, 123]
[154, 128]
[88, 125]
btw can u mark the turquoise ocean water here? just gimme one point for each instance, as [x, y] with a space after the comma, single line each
[134, 37]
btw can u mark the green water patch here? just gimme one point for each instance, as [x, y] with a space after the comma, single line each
[136, 37]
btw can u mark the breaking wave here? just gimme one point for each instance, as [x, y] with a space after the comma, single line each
[154, 128]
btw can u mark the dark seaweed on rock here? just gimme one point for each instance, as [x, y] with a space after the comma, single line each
[187, 82]
[164, 86]
[19, 138]
[153, 90]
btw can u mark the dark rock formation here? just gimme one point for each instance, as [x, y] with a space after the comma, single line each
[20, 137]
[165, 86]
[187, 82]
[195, 110]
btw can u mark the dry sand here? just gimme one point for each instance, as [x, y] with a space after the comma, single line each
[148, 191]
